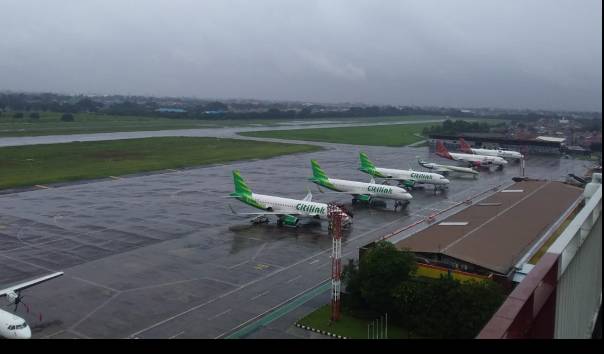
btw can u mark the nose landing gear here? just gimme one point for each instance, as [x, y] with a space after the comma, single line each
[400, 204]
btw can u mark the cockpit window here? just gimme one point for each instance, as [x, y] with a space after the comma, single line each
[21, 326]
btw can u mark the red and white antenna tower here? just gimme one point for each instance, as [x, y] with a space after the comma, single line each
[335, 228]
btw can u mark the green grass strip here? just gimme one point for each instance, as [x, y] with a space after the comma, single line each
[40, 164]
[349, 326]
[379, 135]
[279, 312]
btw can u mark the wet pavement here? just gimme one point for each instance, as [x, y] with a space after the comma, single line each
[162, 256]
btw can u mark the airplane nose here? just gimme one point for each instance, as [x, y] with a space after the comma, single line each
[446, 181]
[24, 333]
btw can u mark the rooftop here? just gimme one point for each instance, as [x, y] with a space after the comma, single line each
[551, 138]
[498, 231]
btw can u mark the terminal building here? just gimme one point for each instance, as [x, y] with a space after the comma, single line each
[497, 236]
[543, 239]
[490, 141]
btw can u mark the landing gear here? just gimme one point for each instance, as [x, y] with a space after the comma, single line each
[439, 189]
[259, 220]
[400, 204]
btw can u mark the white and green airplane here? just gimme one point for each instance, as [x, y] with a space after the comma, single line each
[446, 169]
[408, 178]
[360, 191]
[288, 211]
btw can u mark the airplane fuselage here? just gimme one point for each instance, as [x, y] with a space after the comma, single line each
[409, 175]
[448, 168]
[372, 189]
[478, 159]
[506, 154]
[290, 206]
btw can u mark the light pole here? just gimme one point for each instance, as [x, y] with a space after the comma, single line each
[386, 325]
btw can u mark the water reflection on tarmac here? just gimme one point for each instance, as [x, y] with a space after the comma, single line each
[161, 255]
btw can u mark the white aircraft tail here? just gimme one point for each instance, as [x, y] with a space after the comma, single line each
[308, 197]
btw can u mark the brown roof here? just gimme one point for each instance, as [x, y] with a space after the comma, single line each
[501, 228]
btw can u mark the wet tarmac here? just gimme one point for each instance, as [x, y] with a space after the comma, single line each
[162, 256]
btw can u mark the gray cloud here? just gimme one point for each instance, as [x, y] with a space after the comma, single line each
[518, 54]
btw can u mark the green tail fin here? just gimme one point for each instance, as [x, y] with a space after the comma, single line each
[366, 164]
[317, 172]
[241, 188]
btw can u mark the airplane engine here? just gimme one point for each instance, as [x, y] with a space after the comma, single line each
[363, 198]
[12, 297]
[288, 220]
[408, 183]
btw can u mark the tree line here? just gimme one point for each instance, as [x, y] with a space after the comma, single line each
[35, 116]
[450, 127]
[385, 281]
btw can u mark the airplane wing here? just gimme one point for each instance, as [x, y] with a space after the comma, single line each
[442, 169]
[298, 215]
[256, 213]
[267, 213]
[29, 284]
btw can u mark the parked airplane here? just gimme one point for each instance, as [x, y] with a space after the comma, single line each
[13, 326]
[408, 178]
[360, 191]
[446, 169]
[470, 159]
[509, 154]
[288, 211]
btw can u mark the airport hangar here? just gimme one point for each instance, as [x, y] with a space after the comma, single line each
[496, 236]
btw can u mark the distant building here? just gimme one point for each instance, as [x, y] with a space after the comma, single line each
[551, 139]
[214, 112]
[500, 234]
[577, 150]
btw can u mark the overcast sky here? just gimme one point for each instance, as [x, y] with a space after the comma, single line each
[538, 54]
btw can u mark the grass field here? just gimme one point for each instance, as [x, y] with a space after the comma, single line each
[40, 164]
[50, 123]
[348, 326]
[379, 135]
